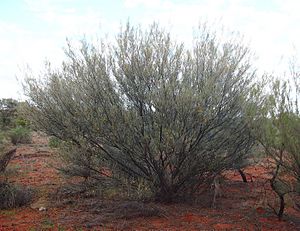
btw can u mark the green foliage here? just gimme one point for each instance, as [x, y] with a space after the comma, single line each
[147, 108]
[20, 135]
[54, 142]
[20, 122]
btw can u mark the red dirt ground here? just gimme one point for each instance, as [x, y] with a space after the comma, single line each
[240, 207]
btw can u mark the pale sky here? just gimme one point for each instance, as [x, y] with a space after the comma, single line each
[34, 30]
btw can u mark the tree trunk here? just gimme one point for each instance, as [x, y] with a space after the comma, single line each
[281, 209]
[165, 195]
[243, 175]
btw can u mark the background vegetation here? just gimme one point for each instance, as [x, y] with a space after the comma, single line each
[14, 129]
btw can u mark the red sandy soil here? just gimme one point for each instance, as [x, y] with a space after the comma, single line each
[242, 206]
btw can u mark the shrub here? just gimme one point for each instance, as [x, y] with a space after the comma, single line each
[149, 109]
[12, 196]
[20, 135]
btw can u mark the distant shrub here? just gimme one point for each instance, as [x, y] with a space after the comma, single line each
[12, 196]
[21, 122]
[8, 112]
[20, 135]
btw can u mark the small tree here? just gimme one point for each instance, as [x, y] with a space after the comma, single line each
[149, 109]
[278, 130]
